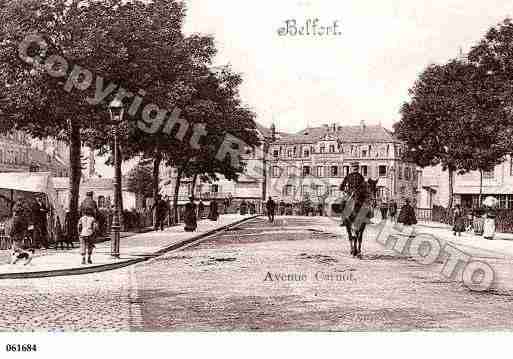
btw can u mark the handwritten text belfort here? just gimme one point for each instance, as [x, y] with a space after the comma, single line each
[310, 27]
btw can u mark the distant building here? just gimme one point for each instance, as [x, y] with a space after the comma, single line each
[18, 153]
[250, 186]
[497, 183]
[312, 163]
[102, 188]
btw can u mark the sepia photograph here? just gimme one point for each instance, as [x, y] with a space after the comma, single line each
[293, 169]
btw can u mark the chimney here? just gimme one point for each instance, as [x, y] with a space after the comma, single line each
[334, 127]
[326, 127]
[362, 125]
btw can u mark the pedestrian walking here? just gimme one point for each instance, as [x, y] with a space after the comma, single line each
[89, 204]
[214, 211]
[190, 219]
[489, 223]
[87, 229]
[282, 207]
[392, 210]
[458, 221]
[201, 209]
[407, 216]
[384, 210]
[18, 232]
[39, 216]
[243, 208]
[161, 209]
[270, 206]
[320, 209]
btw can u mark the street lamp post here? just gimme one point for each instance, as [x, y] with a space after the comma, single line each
[116, 111]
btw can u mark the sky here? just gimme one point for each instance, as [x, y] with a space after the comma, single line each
[362, 75]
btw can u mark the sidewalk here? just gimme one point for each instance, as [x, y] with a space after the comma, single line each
[133, 249]
[501, 244]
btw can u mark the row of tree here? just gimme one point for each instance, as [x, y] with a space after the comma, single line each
[140, 48]
[459, 114]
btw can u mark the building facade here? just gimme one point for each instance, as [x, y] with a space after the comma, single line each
[19, 153]
[251, 185]
[497, 183]
[313, 163]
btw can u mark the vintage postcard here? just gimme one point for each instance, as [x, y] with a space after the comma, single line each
[311, 166]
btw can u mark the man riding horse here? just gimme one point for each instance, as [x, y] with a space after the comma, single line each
[357, 207]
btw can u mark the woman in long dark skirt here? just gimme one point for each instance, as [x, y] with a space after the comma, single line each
[458, 220]
[190, 219]
[214, 212]
[407, 217]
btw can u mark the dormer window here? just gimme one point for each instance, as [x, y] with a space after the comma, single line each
[322, 149]
[332, 148]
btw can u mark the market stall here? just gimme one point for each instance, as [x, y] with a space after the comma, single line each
[25, 187]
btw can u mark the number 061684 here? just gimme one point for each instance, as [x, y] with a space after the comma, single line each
[21, 347]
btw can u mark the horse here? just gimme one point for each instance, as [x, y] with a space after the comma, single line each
[357, 209]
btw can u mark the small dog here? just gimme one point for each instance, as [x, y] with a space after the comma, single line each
[18, 254]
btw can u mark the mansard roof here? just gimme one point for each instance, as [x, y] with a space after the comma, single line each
[347, 134]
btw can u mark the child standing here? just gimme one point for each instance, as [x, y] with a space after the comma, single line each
[87, 228]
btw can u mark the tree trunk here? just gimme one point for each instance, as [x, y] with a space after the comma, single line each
[193, 186]
[156, 181]
[451, 187]
[156, 174]
[75, 160]
[175, 196]
[480, 187]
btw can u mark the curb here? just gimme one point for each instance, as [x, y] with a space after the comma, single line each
[122, 263]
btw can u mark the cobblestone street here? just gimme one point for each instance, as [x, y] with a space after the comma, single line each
[260, 276]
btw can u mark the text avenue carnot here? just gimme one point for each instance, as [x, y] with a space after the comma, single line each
[344, 276]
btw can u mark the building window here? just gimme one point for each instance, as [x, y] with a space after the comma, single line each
[306, 171]
[334, 171]
[101, 202]
[332, 148]
[333, 190]
[319, 190]
[488, 174]
[291, 171]
[319, 171]
[407, 173]
[276, 153]
[364, 153]
[364, 170]
[307, 153]
[288, 190]
[346, 170]
[306, 189]
[276, 171]
[382, 171]
[510, 201]
[400, 172]
[322, 149]
[503, 201]
[289, 152]
[214, 188]
[295, 151]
